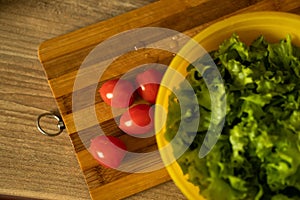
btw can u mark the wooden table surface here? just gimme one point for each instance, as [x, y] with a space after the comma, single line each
[33, 165]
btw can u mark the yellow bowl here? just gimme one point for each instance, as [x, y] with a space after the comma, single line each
[274, 26]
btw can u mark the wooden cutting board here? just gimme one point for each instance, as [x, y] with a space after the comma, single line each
[61, 58]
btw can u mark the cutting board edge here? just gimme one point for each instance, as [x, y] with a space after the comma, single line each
[64, 35]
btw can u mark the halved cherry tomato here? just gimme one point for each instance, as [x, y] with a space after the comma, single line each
[148, 84]
[109, 151]
[137, 119]
[117, 93]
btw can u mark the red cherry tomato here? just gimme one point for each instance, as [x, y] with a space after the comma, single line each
[148, 84]
[137, 120]
[109, 151]
[117, 93]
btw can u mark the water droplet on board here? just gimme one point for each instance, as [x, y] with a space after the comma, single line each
[175, 37]
[173, 44]
[139, 45]
[151, 58]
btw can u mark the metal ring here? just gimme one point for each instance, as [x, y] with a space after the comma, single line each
[60, 124]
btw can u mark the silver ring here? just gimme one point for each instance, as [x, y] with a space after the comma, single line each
[60, 124]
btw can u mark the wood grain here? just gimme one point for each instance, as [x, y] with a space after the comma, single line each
[35, 166]
[32, 165]
[63, 56]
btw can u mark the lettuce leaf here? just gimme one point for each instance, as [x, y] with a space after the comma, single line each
[258, 153]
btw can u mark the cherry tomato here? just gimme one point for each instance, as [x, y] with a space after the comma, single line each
[148, 84]
[109, 151]
[117, 93]
[137, 119]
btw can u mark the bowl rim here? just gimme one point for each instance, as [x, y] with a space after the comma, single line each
[282, 19]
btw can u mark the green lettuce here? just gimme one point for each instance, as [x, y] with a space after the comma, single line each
[257, 156]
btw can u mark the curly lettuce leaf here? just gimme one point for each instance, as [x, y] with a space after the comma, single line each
[257, 155]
